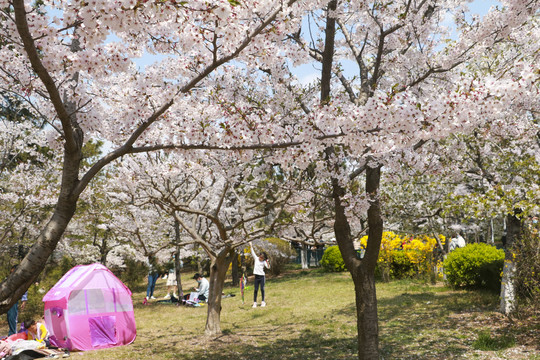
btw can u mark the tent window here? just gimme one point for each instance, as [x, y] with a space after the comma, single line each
[77, 302]
[123, 302]
[96, 301]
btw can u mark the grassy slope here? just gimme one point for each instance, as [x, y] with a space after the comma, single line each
[311, 315]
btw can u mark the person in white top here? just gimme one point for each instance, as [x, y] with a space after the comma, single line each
[261, 262]
[457, 242]
[204, 287]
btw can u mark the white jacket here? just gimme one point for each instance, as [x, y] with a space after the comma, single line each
[258, 268]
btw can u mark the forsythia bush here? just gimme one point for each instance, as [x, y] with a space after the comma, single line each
[475, 266]
[332, 259]
[399, 257]
[404, 256]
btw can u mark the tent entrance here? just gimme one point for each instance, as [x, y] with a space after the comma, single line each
[102, 330]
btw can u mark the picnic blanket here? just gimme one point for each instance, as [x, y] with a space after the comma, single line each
[38, 354]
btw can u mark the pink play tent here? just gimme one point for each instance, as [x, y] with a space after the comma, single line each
[89, 308]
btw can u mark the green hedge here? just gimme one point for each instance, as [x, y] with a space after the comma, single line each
[475, 266]
[332, 260]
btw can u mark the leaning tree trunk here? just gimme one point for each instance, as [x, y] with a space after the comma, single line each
[508, 295]
[33, 263]
[218, 271]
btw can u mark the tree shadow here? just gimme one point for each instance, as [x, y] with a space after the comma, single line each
[303, 275]
[427, 325]
[306, 345]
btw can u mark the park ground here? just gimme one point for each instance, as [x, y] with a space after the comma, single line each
[311, 315]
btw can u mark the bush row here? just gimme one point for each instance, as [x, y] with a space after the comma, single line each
[474, 266]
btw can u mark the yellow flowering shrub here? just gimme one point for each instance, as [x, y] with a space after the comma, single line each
[404, 256]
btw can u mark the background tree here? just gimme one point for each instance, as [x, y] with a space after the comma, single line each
[218, 202]
[58, 57]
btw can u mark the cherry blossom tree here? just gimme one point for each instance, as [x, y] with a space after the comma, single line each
[412, 86]
[218, 202]
[74, 63]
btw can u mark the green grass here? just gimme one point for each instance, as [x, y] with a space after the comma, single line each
[489, 342]
[312, 315]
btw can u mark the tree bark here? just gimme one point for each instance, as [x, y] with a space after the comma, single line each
[177, 260]
[16, 284]
[362, 270]
[218, 271]
[367, 322]
[508, 296]
[303, 256]
[234, 270]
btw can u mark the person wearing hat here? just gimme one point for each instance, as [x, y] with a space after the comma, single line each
[204, 287]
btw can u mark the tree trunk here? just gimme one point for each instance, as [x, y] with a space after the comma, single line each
[234, 270]
[303, 256]
[491, 232]
[177, 260]
[362, 270]
[508, 296]
[218, 270]
[16, 284]
[243, 264]
[366, 302]
[104, 250]
[199, 265]
[367, 322]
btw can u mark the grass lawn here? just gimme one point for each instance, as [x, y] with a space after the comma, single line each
[311, 315]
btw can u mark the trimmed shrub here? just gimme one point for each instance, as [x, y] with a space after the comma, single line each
[332, 260]
[475, 266]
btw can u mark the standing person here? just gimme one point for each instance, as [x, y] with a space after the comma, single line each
[204, 287]
[261, 262]
[153, 275]
[13, 311]
[171, 282]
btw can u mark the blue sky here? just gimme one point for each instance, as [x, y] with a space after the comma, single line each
[309, 73]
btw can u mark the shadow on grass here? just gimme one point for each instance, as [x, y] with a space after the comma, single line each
[300, 275]
[306, 345]
[424, 325]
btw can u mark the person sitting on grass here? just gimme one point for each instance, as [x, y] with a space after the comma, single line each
[204, 287]
[37, 331]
